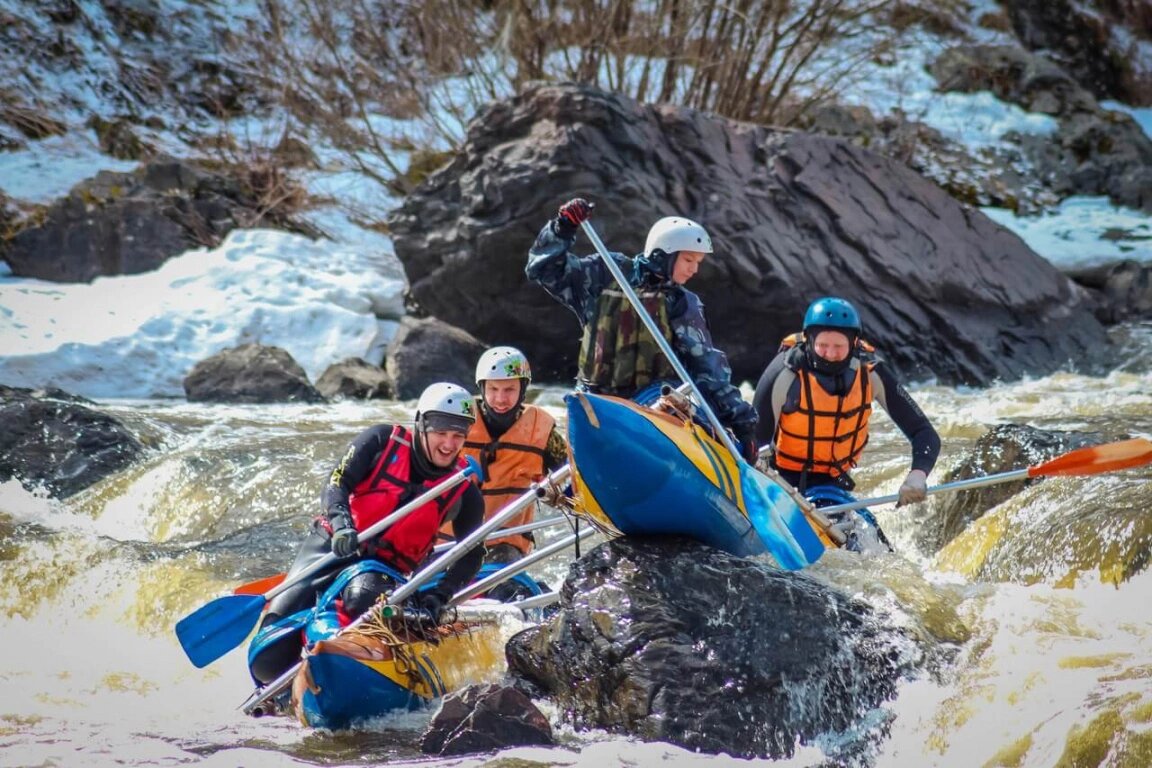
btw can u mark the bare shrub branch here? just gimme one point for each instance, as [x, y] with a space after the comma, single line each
[382, 79]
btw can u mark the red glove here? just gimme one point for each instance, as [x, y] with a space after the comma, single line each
[571, 215]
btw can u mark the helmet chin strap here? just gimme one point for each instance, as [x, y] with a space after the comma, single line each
[655, 267]
[828, 367]
[500, 423]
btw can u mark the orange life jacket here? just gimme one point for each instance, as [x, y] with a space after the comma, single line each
[511, 464]
[827, 433]
[405, 544]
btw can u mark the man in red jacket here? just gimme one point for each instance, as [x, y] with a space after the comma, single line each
[384, 467]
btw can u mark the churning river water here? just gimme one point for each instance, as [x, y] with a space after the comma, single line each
[1051, 662]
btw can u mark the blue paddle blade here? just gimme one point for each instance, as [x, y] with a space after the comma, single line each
[212, 630]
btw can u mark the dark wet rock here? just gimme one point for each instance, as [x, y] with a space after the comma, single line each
[996, 176]
[51, 439]
[250, 373]
[485, 718]
[1124, 290]
[128, 223]
[23, 394]
[671, 640]
[1092, 527]
[1004, 448]
[1094, 151]
[354, 378]
[1094, 40]
[1012, 75]
[425, 351]
[793, 216]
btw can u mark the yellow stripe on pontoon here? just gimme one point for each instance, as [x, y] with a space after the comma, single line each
[696, 445]
[589, 505]
[455, 661]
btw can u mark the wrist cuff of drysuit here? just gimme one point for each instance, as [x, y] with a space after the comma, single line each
[564, 228]
[340, 517]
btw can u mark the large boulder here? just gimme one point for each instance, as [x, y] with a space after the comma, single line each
[354, 378]
[128, 223]
[425, 351]
[1004, 448]
[671, 640]
[250, 373]
[53, 440]
[943, 290]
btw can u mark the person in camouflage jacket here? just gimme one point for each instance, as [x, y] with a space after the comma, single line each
[618, 356]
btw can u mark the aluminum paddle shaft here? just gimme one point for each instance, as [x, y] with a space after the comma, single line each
[1090, 460]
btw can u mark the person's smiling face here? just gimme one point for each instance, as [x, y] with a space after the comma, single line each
[502, 396]
[443, 446]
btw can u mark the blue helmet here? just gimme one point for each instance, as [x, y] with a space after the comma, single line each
[830, 312]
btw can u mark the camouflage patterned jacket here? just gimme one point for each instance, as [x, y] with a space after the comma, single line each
[577, 282]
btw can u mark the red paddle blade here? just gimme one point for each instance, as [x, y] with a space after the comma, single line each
[1097, 459]
[260, 586]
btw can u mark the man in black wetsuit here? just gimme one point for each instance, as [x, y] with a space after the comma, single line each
[815, 398]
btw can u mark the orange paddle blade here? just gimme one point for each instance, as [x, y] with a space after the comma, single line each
[260, 586]
[1096, 459]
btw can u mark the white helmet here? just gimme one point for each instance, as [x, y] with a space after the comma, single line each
[675, 233]
[503, 364]
[444, 406]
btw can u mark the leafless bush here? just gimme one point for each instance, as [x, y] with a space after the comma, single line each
[379, 79]
[257, 160]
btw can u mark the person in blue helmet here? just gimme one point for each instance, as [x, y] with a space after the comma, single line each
[618, 356]
[815, 398]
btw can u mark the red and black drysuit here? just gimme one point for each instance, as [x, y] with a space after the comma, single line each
[380, 462]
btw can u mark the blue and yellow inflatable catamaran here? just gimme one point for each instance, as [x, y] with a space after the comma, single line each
[391, 661]
[640, 470]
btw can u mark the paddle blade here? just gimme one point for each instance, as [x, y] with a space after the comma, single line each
[213, 629]
[1097, 459]
[260, 586]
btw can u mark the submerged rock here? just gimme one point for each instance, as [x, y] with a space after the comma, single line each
[482, 718]
[671, 640]
[52, 439]
[1053, 529]
[1004, 448]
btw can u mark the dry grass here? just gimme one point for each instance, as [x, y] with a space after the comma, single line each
[34, 123]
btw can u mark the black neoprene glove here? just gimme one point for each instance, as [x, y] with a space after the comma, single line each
[433, 602]
[746, 441]
[345, 540]
[571, 215]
